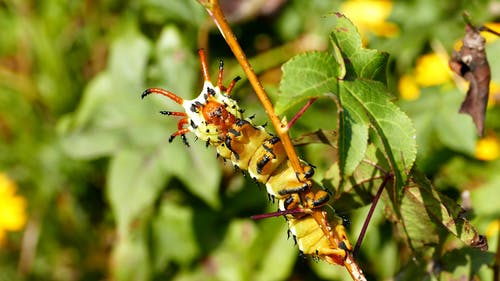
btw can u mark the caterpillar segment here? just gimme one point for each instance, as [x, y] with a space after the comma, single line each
[217, 119]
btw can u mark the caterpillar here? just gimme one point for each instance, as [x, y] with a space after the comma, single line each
[215, 118]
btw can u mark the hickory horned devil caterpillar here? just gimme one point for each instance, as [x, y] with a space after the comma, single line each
[214, 117]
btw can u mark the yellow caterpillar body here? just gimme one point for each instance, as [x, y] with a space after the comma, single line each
[217, 119]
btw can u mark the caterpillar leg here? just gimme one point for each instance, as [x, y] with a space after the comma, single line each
[333, 255]
[312, 200]
[290, 203]
[308, 173]
[336, 256]
[316, 199]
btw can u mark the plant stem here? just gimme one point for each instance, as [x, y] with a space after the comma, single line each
[299, 114]
[370, 213]
[214, 10]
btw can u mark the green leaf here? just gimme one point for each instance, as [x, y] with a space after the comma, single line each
[307, 76]
[105, 118]
[419, 228]
[198, 168]
[173, 235]
[394, 128]
[360, 62]
[426, 213]
[363, 100]
[353, 134]
[176, 67]
[130, 257]
[278, 256]
[359, 189]
[135, 179]
[135, 47]
[229, 261]
[464, 264]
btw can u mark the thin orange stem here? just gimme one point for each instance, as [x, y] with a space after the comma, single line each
[214, 10]
[354, 269]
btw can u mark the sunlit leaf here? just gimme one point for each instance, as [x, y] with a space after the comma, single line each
[361, 62]
[353, 134]
[306, 76]
[394, 128]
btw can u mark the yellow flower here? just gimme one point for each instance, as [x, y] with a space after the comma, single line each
[370, 15]
[488, 148]
[432, 70]
[494, 97]
[490, 37]
[493, 228]
[408, 88]
[12, 207]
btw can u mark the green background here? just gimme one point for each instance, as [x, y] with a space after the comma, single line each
[110, 199]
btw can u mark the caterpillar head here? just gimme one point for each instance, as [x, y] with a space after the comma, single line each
[211, 114]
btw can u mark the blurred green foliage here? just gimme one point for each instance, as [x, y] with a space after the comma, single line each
[110, 198]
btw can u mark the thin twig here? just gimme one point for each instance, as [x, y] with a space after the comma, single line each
[487, 29]
[370, 214]
[299, 114]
